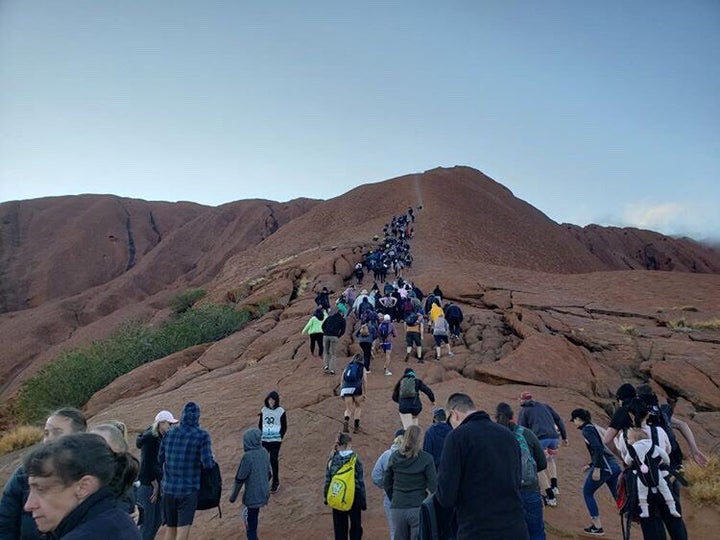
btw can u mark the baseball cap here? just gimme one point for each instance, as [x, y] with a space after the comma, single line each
[386, 318]
[165, 416]
[525, 396]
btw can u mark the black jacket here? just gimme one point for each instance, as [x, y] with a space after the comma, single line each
[149, 446]
[334, 325]
[480, 476]
[16, 523]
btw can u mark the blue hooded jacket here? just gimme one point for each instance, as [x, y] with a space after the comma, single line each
[183, 452]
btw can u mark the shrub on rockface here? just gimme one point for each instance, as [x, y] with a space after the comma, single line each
[73, 378]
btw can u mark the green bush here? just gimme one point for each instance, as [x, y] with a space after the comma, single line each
[185, 300]
[73, 378]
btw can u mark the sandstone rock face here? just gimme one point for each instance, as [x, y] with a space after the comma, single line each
[564, 312]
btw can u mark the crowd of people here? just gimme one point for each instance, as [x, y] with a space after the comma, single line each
[467, 476]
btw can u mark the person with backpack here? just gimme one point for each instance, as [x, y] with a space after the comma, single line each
[644, 458]
[441, 330]
[359, 273]
[333, 328]
[344, 489]
[322, 299]
[660, 518]
[273, 424]
[409, 476]
[386, 330]
[542, 420]
[352, 392]
[532, 461]
[407, 395]
[602, 469]
[254, 473]
[365, 335]
[314, 329]
[413, 336]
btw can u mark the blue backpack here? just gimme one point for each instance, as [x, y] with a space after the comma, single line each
[352, 376]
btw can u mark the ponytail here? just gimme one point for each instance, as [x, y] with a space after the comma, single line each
[126, 471]
[638, 411]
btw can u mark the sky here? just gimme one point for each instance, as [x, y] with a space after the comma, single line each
[593, 112]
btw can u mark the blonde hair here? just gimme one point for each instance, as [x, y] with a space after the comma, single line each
[411, 442]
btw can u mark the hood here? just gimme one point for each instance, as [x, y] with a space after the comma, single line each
[190, 415]
[275, 396]
[251, 439]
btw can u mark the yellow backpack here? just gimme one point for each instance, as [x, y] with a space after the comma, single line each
[341, 492]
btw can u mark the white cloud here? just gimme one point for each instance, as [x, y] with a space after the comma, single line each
[696, 219]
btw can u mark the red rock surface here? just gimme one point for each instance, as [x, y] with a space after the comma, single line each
[567, 313]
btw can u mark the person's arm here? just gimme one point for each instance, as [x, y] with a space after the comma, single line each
[396, 392]
[663, 455]
[360, 484]
[206, 455]
[11, 506]
[388, 481]
[378, 471]
[260, 421]
[240, 476]
[283, 425]
[427, 391]
[595, 444]
[431, 476]
[560, 425]
[687, 434]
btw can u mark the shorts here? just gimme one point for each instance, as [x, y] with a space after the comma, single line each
[550, 446]
[179, 510]
[413, 338]
[440, 339]
[386, 346]
[351, 392]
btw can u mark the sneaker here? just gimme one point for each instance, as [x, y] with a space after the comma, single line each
[595, 531]
[407, 357]
[332, 372]
[551, 502]
[556, 490]
[274, 488]
[356, 429]
[451, 353]
[421, 361]
[388, 372]
[368, 371]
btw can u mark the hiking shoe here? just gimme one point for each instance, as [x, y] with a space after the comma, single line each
[451, 353]
[407, 357]
[551, 501]
[332, 372]
[274, 488]
[356, 429]
[595, 531]
[556, 490]
[388, 372]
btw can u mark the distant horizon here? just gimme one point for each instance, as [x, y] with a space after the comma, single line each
[593, 113]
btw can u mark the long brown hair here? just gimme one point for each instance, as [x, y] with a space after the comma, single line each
[411, 442]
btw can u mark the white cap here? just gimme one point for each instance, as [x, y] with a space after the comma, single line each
[386, 318]
[165, 416]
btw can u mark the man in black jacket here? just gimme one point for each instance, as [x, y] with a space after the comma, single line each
[333, 328]
[480, 475]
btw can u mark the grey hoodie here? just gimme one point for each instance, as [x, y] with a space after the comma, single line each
[254, 472]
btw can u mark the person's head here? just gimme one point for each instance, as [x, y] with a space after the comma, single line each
[503, 414]
[272, 401]
[459, 406]
[164, 420]
[66, 471]
[343, 441]
[525, 397]
[636, 434]
[190, 415]
[580, 417]
[439, 415]
[638, 411]
[411, 442]
[625, 392]
[64, 422]
[112, 435]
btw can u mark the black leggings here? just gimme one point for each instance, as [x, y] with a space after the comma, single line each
[366, 347]
[316, 338]
[274, 449]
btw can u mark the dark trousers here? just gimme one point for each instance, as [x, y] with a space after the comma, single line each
[316, 338]
[367, 353]
[340, 524]
[273, 449]
[253, 515]
[653, 528]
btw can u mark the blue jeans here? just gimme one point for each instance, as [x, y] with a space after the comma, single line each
[152, 513]
[533, 506]
[591, 486]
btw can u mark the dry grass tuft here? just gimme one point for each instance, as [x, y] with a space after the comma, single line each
[19, 437]
[629, 330]
[712, 324]
[704, 482]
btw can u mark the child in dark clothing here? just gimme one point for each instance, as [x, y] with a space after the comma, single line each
[254, 473]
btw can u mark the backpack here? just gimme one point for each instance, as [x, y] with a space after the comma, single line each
[364, 330]
[407, 388]
[210, 489]
[341, 491]
[660, 416]
[352, 375]
[384, 330]
[528, 473]
[412, 319]
[647, 471]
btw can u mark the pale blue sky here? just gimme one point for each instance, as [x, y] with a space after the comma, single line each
[594, 112]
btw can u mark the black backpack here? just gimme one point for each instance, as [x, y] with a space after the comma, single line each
[210, 489]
